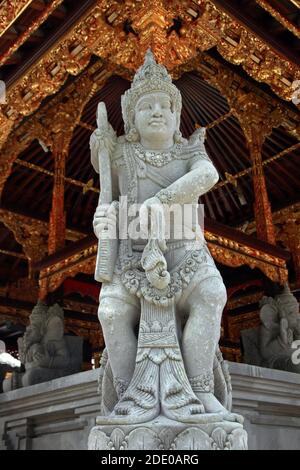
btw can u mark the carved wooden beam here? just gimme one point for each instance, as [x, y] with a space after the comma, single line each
[233, 87]
[10, 10]
[280, 17]
[46, 12]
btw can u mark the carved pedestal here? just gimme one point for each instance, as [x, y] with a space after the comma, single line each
[165, 434]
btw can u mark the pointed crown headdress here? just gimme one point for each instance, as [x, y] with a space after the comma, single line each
[150, 77]
[286, 297]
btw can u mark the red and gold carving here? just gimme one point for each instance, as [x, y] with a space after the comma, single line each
[53, 277]
[233, 254]
[101, 32]
[55, 117]
[32, 234]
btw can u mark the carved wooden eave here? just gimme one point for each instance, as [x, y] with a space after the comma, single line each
[228, 247]
[101, 33]
[31, 234]
[51, 118]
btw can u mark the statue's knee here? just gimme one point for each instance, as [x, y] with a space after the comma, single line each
[112, 313]
[215, 294]
[106, 313]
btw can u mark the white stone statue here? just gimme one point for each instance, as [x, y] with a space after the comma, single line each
[162, 296]
[280, 328]
[275, 343]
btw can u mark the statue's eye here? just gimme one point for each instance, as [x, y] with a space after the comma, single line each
[145, 106]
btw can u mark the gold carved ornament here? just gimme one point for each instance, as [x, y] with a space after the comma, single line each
[53, 276]
[31, 234]
[101, 32]
[233, 254]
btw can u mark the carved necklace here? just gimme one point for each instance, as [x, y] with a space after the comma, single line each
[157, 158]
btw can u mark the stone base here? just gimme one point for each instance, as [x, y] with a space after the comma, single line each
[164, 434]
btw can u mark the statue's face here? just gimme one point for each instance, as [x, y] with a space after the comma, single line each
[292, 310]
[155, 117]
[32, 334]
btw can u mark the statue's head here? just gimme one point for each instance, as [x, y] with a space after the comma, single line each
[34, 332]
[287, 302]
[152, 106]
[55, 323]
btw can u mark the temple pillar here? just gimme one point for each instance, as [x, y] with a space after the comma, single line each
[262, 207]
[257, 122]
[57, 223]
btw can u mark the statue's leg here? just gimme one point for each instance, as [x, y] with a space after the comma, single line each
[200, 338]
[119, 314]
[202, 329]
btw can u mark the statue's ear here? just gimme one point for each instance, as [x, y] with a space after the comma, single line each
[269, 316]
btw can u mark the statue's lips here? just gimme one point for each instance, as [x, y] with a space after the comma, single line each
[157, 122]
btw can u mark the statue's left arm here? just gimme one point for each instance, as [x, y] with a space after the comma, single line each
[201, 177]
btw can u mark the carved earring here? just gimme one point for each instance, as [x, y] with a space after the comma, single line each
[178, 139]
[133, 135]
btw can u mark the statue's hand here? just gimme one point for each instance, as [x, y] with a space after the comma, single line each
[105, 219]
[40, 360]
[152, 220]
[286, 334]
[198, 136]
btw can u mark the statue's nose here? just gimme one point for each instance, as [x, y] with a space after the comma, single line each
[157, 110]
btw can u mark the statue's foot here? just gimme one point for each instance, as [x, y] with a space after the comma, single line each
[181, 404]
[126, 415]
[138, 405]
[191, 414]
[212, 405]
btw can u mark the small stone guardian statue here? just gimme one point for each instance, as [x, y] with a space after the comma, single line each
[45, 352]
[171, 376]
